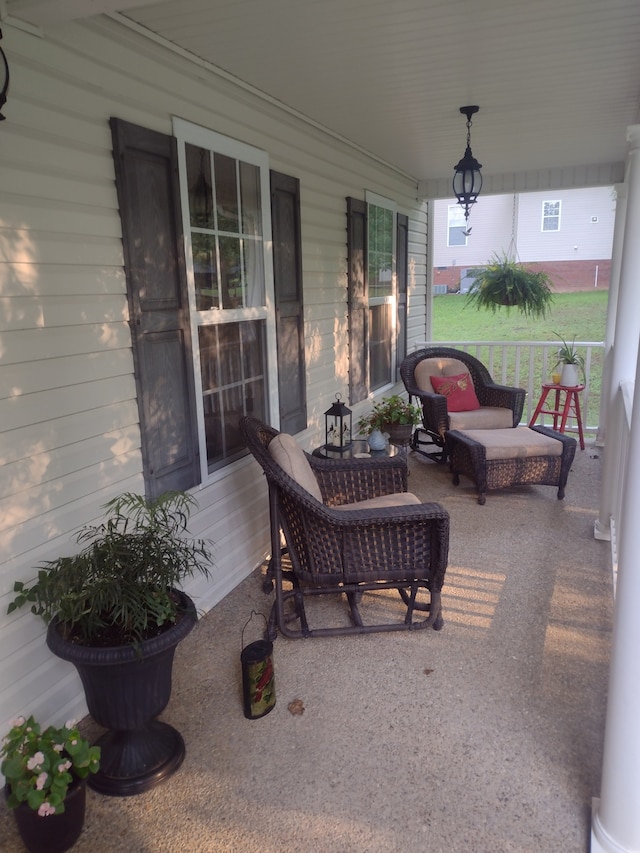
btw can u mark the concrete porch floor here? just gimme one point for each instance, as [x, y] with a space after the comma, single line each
[484, 737]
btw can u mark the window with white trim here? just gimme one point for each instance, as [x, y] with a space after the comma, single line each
[551, 215]
[381, 225]
[456, 226]
[224, 186]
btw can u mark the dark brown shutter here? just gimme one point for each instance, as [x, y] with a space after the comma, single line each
[287, 272]
[357, 300]
[147, 186]
[402, 278]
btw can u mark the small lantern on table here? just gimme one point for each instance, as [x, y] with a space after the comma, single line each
[338, 426]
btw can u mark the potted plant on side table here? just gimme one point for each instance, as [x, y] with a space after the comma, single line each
[572, 361]
[392, 415]
[45, 774]
[114, 610]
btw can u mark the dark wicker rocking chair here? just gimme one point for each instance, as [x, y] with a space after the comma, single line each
[349, 552]
[500, 405]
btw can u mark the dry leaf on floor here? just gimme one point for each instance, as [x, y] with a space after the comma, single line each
[296, 707]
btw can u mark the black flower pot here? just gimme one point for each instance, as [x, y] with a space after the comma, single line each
[57, 832]
[126, 688]
[398, 433]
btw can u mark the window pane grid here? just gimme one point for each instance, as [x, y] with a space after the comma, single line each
[232, 368]
[225, 214]
[550, 215]
[379, 345]
[380, 258]
[380, 251]
[227, 258]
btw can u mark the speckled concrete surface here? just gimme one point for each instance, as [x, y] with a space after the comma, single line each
[486, 736]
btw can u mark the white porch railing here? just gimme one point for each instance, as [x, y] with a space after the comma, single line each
[527, 364]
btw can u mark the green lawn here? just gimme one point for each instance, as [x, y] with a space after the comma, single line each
[579, 315]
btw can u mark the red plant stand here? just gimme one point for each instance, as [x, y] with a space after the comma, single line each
[561, 411]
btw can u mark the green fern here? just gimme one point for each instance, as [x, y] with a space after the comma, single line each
[505, 283]
[121, 584]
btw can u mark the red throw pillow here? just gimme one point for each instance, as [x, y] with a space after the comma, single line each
[459, 391]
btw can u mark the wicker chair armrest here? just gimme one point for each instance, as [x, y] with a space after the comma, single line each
[503, 396]
[349, 480]
[434, 410]
[401, 514]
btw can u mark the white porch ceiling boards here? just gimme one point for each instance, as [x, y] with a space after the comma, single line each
[557, 82]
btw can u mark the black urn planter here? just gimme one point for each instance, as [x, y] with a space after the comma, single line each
[55, 833]
[398, 433]
[126, 688]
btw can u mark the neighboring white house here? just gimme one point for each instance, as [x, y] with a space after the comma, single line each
[568, 232]
[116, 149]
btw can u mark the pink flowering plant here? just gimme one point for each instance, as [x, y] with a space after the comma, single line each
[40, 765]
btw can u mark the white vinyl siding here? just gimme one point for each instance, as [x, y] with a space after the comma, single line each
[493, 226]
[579, 238]
[69, 437]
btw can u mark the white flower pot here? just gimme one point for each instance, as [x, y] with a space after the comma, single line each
[376, 440]
[570, 375]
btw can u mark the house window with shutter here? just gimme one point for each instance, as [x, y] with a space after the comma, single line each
[225, 196]
[550, 215]
[377, 258]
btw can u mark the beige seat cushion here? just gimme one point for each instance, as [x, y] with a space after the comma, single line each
[486, 417]
[515, 443]
[286, 451]
[396, 499]
[429, 367]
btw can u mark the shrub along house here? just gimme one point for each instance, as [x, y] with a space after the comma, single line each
[182, 244]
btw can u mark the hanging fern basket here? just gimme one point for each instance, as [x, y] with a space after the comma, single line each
[506, 283]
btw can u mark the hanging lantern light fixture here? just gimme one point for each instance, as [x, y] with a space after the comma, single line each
[467, 179]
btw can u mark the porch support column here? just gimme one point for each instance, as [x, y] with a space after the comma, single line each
[606, 394]
[624, 350]
[615, 826]
[428, 318]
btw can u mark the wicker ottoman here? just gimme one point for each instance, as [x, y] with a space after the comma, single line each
[498, 458]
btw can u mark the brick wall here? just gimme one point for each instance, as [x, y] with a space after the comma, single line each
[566, 275]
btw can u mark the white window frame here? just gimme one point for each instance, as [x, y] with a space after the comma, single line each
[547, 216]
[186, 132]
[372, 198]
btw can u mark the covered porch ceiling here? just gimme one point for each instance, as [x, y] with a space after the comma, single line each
[557, 83]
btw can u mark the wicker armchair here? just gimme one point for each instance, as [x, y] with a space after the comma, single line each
[350, 551]
[500, 405]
